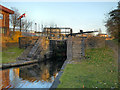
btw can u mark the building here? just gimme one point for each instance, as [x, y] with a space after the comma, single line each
[52, 30]
[105, 36]
[85, 35]
[4, 20]
[52, 33]
[102, 35]
[39, 33]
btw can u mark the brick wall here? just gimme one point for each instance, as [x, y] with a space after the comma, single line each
[4, 23]
[95, 42]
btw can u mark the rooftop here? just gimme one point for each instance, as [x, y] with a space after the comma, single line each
[6, 9]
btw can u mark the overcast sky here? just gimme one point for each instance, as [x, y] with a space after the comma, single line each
[77, 15]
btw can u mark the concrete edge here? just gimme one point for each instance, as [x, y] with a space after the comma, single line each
[9, 65]
[57, 79]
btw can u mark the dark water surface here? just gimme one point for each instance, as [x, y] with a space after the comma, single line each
[38, 75]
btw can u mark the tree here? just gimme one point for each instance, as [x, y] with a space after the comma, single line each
[13, 18]
[113, 23]
[25, 24]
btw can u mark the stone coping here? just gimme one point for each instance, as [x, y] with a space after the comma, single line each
[57, 79]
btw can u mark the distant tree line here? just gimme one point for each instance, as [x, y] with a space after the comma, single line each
[113, 23]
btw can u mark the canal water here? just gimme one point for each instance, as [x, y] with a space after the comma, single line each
[38, 75]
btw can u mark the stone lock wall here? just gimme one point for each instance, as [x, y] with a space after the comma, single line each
[75, 48]
[24, 42]
[40, 48]
[36, 48]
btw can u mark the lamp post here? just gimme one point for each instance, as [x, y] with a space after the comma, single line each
[23, 15]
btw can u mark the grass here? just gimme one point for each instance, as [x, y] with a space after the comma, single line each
[100, 71]
[10, 54]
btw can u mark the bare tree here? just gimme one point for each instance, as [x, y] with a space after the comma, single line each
[25, 24]
[13, 18]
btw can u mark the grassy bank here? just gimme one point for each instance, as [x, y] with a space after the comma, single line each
[99, 71]
[10, 54]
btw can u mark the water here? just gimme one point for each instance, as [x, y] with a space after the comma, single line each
[39, 75]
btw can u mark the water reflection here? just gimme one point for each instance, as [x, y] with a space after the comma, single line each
[39, 75]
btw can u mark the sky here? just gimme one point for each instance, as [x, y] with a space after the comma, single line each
[84, 16]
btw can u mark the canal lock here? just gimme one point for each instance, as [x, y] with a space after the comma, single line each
[37, 75]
